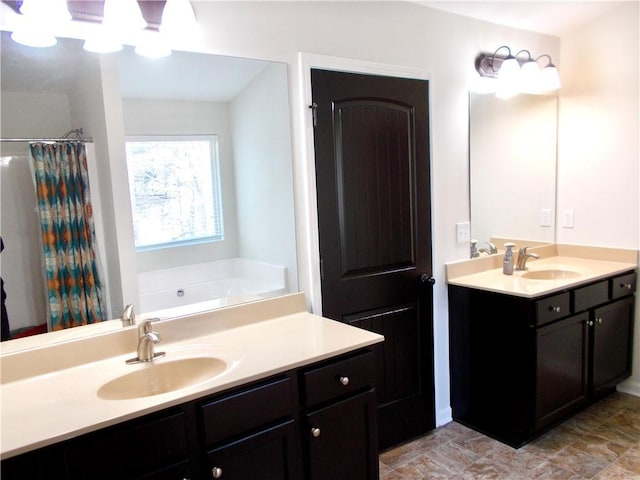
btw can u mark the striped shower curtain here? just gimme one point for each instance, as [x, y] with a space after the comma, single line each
[73, 287]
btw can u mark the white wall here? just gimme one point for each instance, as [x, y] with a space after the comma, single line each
[599, 131]
[263, 175]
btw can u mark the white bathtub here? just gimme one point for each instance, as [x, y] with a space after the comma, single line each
[208, 285]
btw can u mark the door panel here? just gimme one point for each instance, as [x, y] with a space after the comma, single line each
[374, 217]
[374, 182]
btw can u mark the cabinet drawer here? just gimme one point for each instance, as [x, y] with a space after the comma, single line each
[623, 285]
[553, 308]
[590, 296]
[338, 378]
[246, 410]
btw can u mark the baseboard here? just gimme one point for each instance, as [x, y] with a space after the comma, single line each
[443, 416]
[630, 387]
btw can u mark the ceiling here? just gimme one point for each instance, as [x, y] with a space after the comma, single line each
[551, 18]
[178, 76]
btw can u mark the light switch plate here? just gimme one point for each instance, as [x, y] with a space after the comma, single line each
[568, 219]
[463, 232]
[545, 217]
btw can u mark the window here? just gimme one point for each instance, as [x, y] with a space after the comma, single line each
[175, 190]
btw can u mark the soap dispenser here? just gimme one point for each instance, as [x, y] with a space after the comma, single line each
[474, 248]
[507, 262]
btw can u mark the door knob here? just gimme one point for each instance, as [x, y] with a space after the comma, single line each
[216, 472]
[425, 278]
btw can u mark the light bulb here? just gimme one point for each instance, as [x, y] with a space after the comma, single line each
[103, 40]
[52, 10]
[508, 78]
[178, 18]
[530, 77]
[152, 45]
[123, 17]
[39, 20]
[550, 78]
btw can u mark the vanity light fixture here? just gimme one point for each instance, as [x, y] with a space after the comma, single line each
[517, 73]
[149, 26]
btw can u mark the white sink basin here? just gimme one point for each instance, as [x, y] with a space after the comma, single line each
[551, 274]
[164, 376]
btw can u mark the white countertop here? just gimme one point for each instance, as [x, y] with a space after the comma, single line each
[588, 264]
[57, 402]
[496, 281]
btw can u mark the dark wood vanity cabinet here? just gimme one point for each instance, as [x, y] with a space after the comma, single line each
[520, 366]
[251, 433]
[339, 410]
[317, 422]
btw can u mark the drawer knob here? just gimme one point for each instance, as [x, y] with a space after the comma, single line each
[625, 285]
[315, 432]
[344, 381]
[216, 472]
[554, 309]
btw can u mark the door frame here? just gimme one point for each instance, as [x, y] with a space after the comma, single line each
[308, 242]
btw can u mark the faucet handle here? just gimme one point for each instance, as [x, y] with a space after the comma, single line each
[128, 316]
[144, 328]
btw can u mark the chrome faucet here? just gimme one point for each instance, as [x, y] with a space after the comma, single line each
[521, 263]
[147, 338]
[490, 249]
[128, 316]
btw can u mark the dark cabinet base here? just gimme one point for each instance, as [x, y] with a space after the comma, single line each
[258, 431]
[520, 366]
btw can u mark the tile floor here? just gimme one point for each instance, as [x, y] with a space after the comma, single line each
[602, 442]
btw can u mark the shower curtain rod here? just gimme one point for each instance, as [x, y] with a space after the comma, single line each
[61, 139]
[67, 137]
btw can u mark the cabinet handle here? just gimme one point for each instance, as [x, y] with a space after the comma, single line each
[216, 472]
[554, 309]
[599, 320]
[590, 323]
[625, 285]
[315, 432]
[344, 381]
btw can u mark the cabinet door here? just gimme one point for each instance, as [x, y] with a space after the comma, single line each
[270, 454]
[561, 368]
[342, 440]
[132, 450]
[612, 337]
[43, 464]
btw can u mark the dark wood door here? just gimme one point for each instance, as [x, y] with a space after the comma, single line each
[561, 368]
[374, 213]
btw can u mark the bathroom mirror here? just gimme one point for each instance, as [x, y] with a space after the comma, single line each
[512, 165]
[242, 103]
